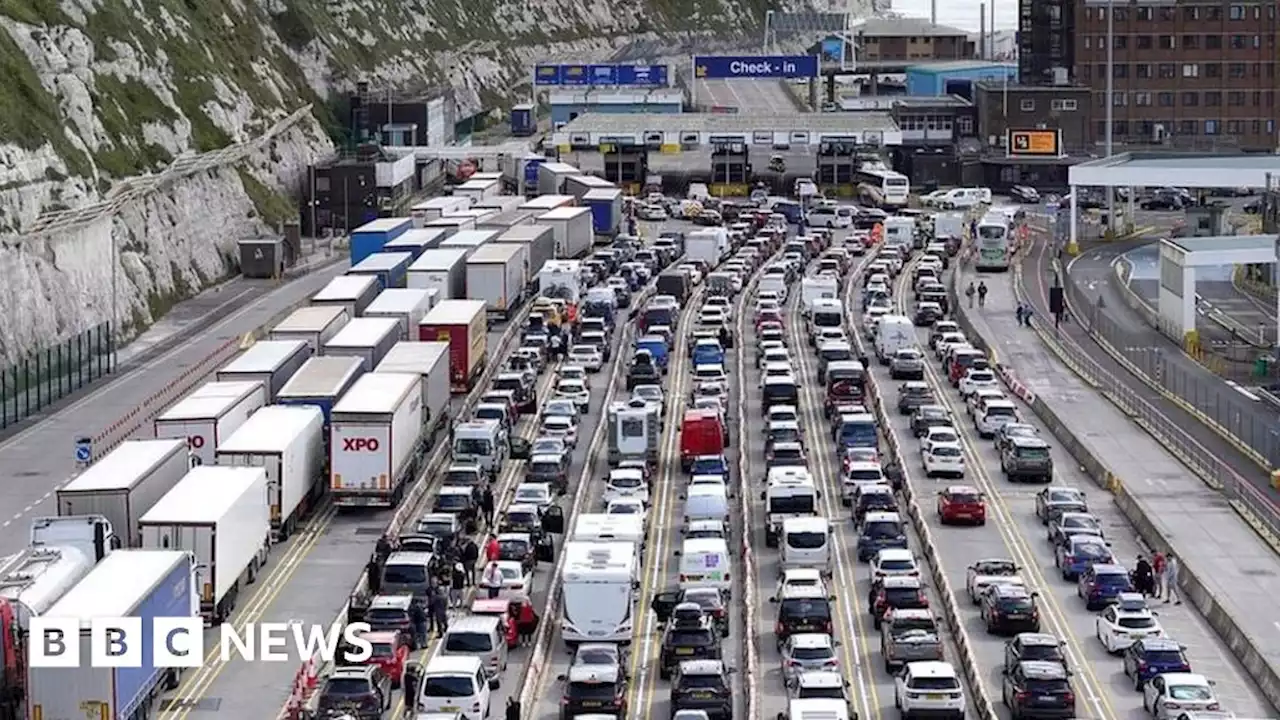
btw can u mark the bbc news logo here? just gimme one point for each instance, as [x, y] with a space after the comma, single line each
[179, 642]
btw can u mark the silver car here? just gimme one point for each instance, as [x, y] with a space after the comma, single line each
[907, 364]
[588, 356]
[808, 651]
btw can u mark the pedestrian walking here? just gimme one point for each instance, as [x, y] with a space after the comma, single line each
[969, 292]
[373, 573]
[1143, 579]
[526, 622]
[486, 507]
[513, 709]
[1158, 563]
[383, 549]
[1171, 592]
[982, 294]
[1017, 313]
[492, 580]
[470, 556]
[1027, 312]
[418, 616]
[492, 550]
[456, 584]
[440, 613]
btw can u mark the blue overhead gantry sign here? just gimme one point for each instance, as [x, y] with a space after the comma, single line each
[728, 67]
[601, 75]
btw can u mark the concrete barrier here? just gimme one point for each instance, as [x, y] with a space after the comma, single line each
[751, 639]
[1245, 648]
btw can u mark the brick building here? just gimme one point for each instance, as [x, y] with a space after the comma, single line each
[1186, 75]
[911, 39]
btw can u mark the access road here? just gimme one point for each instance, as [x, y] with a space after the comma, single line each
[749, 96]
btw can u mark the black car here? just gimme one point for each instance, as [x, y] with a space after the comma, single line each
[1034, 689]
[360, 691]
[1009, 608]
[914, 394]
[521, 384]
[927, 416]
[1034, 646]
[801, 609]
[702, 685]
[1024, 194]
[926, 315]
[594, 689]
[712, 601]
[1163, 200]
[691, 635]
[643, 371]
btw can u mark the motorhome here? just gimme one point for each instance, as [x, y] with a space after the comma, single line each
[598, 588]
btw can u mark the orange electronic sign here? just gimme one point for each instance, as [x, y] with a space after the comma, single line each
[1034, 142]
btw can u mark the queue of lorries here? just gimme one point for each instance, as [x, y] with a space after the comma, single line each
[338, 404]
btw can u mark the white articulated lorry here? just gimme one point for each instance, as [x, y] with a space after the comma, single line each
[220, 515]
[442, 269]
[270, 362]
[436, 208]
[430, 360]
[288, 443]
[406, 305]
[375, 440]
[125, 484]
[573, 228]
[351, 292]
[367, 338]
[209, 415]
[313, 324]
[496, 274]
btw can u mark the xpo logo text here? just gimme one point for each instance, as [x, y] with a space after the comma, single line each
[360, 444]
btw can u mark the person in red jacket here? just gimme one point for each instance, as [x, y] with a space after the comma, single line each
[527, 622]
[492, 551]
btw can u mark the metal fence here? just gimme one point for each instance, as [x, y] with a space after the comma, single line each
[1238, 490]
[51, 374]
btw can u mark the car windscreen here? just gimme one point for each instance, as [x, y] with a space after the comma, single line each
[805, 608]
[806, 540]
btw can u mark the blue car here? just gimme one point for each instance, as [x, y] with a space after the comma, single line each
[657, 348]
[708, 354]
[710, 465]
[1101, 583]
[880, 531]
[1150, 657]
[1077, 553]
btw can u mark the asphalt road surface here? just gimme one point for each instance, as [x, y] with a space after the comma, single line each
[750, 97]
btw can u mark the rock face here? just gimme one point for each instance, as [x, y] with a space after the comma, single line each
[97, 92]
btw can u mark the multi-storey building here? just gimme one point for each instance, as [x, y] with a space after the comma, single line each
[1186, 74]
[1046, 41]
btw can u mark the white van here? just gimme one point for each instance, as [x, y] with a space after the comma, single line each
[706, 501]
[817, 709]
[479, 636]
[963, 198]
[806, 543]
[704, 562]
[456, 684]
[894, 333]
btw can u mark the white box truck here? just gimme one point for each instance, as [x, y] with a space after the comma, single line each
[375, 440]
[436, 208]
[444, 269]
[367, 338]
[288, 443]
[407, 306]
[453, 224]
[573, 230]
[220, 515]
[547, 203]
[507, 220]
[552, 177]
[496, 275]
[125, 484]
[539, 242]
[710, 245]
[579, 185]
[477, 190]
[431, 361]
[470, 240]
[353, 292]
[313, 325]
[270, 362]
[500, 203]
[208, 416]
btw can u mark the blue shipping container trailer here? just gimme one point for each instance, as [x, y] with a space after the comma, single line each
[372, 236]
[524, 120]
[389, 268]
[606, 210]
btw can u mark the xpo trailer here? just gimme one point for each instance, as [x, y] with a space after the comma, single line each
[376, 439]
[441, 269]
[372, 236]
[313, 325]
[407, 306]
[351, 292]
[430, 360]
[368, 338]
[496, 274]
[322, 382]
[452, 225]
[125, 484]
[270, 362]
[220, 515]
[464, 325]
[289, 444]
[210, 415]
[388, 267]
[573, 230]
[146, 584]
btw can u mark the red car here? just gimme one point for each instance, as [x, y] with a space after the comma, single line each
[767, 316]
[502, 610]
[390, 653]
[962, 503]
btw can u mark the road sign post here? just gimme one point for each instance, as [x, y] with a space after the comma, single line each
[84, 452]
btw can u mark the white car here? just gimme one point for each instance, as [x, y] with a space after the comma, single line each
[984, 572]
[800, 577]
[575, 390]
[706, 529]
[943, 459]
[929, 688]
[712, 315]
[1125, 622]
[975, 380]
[946, 340]
[807, 651]
[626, 506]
[567, 408]
[574, 372]
[719, 302]
[517, 583]
[651, 211]
[776, 354]
[933, 198]
[560, 426]
[588, 356]
[710, 373]
[1170, 695]
[782, 413]
[894, 561]
[534, 493]
[694, 273]
[716, 390]
[628, 483]
[978, 395]
[939, 435]
[775, 371]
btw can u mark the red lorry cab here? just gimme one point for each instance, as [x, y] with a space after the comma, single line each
[701, 433]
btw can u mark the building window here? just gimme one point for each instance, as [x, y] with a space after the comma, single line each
[1190, 99]
[1101, 100]
[1088, 42]
[964, 124]
[1236, 70]
[1102, 128]
[1255, 69]
[1213, 98]
[1168, 14]
[1190, 70]
[1210, 127]
[1087, 71]
[1088, 13]
[1121, 128]
[1191, 14]
[1188, 127]
[1237, 12]
[1122, 14]
[1212, 42]
[1165, 99]
[1235, 127]
[1027, 105]
[1142, 70]
[1257, 127]
[1142, 99]
[1121, 41]
[1167, 42]
[1238, 42]
[1212, 70]
[1144, 13]
[1256, 41]
[1271, 98]
[1144, 42]
[1119, 99]
[1168, 70]
[1271, 127]
[1145, 127]
[1190, 42]
[1257, 98]
[1063, 104]
[1121, 70]
[1213, 13]
[1235, 98]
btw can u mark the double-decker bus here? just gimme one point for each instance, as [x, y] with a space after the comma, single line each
[882, 187]
[993, 242]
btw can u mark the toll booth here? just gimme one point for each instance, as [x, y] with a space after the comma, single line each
[625, 164]
[836, 166]
[730, 167]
